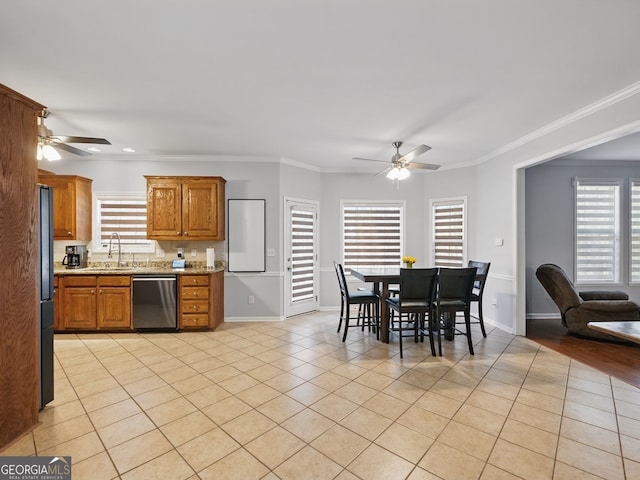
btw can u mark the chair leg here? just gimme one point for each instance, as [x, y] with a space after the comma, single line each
[341, 314]
[346, 322]
[467, 321]
[376, 312]
[431, 326]
[400, 332]
[481, 319]
[439, 332]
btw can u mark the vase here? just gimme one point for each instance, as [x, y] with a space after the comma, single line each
[408, 265]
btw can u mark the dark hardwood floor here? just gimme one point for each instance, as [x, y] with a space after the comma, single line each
[620, 360]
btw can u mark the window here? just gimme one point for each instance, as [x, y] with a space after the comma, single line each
[125, 215]
[597, 243]
[372, 234]
[448, 229]
[634, 255]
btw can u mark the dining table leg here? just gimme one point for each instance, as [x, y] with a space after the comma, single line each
[384, 311]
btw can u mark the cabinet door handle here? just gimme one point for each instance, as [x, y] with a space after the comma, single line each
[177, 233]
[69, 233]
[92, 292]
[186, 234]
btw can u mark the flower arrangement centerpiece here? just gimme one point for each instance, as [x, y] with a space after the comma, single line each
[408, 261]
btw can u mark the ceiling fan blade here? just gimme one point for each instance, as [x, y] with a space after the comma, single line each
[72, 139]
[419, 150]
[370, 160]
[70, 149]
[423, 166]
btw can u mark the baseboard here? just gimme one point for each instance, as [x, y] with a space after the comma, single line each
[542, 316]
[252, 319]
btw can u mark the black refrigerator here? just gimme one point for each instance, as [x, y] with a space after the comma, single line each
[45, 292]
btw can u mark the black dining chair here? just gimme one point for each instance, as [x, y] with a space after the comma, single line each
[366, 298]
[478, 290]
[455, 286]
[414, 304]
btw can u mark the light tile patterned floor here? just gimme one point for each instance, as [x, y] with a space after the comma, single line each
[289, 400]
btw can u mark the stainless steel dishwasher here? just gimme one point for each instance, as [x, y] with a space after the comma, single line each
[154, 302]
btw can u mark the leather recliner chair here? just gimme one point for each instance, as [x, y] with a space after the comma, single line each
[579, 308]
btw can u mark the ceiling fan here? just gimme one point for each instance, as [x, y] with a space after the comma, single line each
[49, 144]
[400, 164]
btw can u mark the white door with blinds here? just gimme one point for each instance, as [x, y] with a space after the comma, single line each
[301, 257]
[449, 233]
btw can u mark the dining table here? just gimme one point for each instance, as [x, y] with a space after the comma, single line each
[381, 278]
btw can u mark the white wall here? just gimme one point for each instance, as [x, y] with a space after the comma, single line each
[500, 200]
[244, 180]
[351, 186]
[495, 199]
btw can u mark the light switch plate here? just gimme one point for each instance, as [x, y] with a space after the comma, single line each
[271, 252]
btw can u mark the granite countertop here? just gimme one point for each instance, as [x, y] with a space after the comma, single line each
[155, 268]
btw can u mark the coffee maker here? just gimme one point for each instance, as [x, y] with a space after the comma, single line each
[76, 256]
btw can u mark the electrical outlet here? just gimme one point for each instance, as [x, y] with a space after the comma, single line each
[194, 252]
[181, 253]
[251, 299]
[159, 253]
[271, 252]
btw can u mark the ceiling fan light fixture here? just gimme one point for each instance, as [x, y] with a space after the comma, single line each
[398, 173]
[393, 174]
[50, 153]
[39, 151]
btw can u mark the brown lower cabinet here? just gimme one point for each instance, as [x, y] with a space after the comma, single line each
[90, 302]
[103, 302]
[57, 316]
[114, 302]
[200, 301]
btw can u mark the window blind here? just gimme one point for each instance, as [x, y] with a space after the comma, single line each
[302, 254]
[635, 232]
[128, 218]
[597, 232]
[448, 233]
[372, 235]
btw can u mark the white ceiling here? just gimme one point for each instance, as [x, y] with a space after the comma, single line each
[316, 81]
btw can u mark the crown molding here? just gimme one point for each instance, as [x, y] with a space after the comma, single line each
[584, 112]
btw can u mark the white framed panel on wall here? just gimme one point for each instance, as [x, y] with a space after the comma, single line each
[246, 234]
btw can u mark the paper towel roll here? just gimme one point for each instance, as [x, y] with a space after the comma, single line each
[211, 257]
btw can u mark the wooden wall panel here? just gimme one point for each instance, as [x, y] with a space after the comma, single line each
[19, 389]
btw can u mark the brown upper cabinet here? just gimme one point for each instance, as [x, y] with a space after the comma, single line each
[71, 206]
[185, 208]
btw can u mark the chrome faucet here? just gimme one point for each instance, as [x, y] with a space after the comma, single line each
[117, 235]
